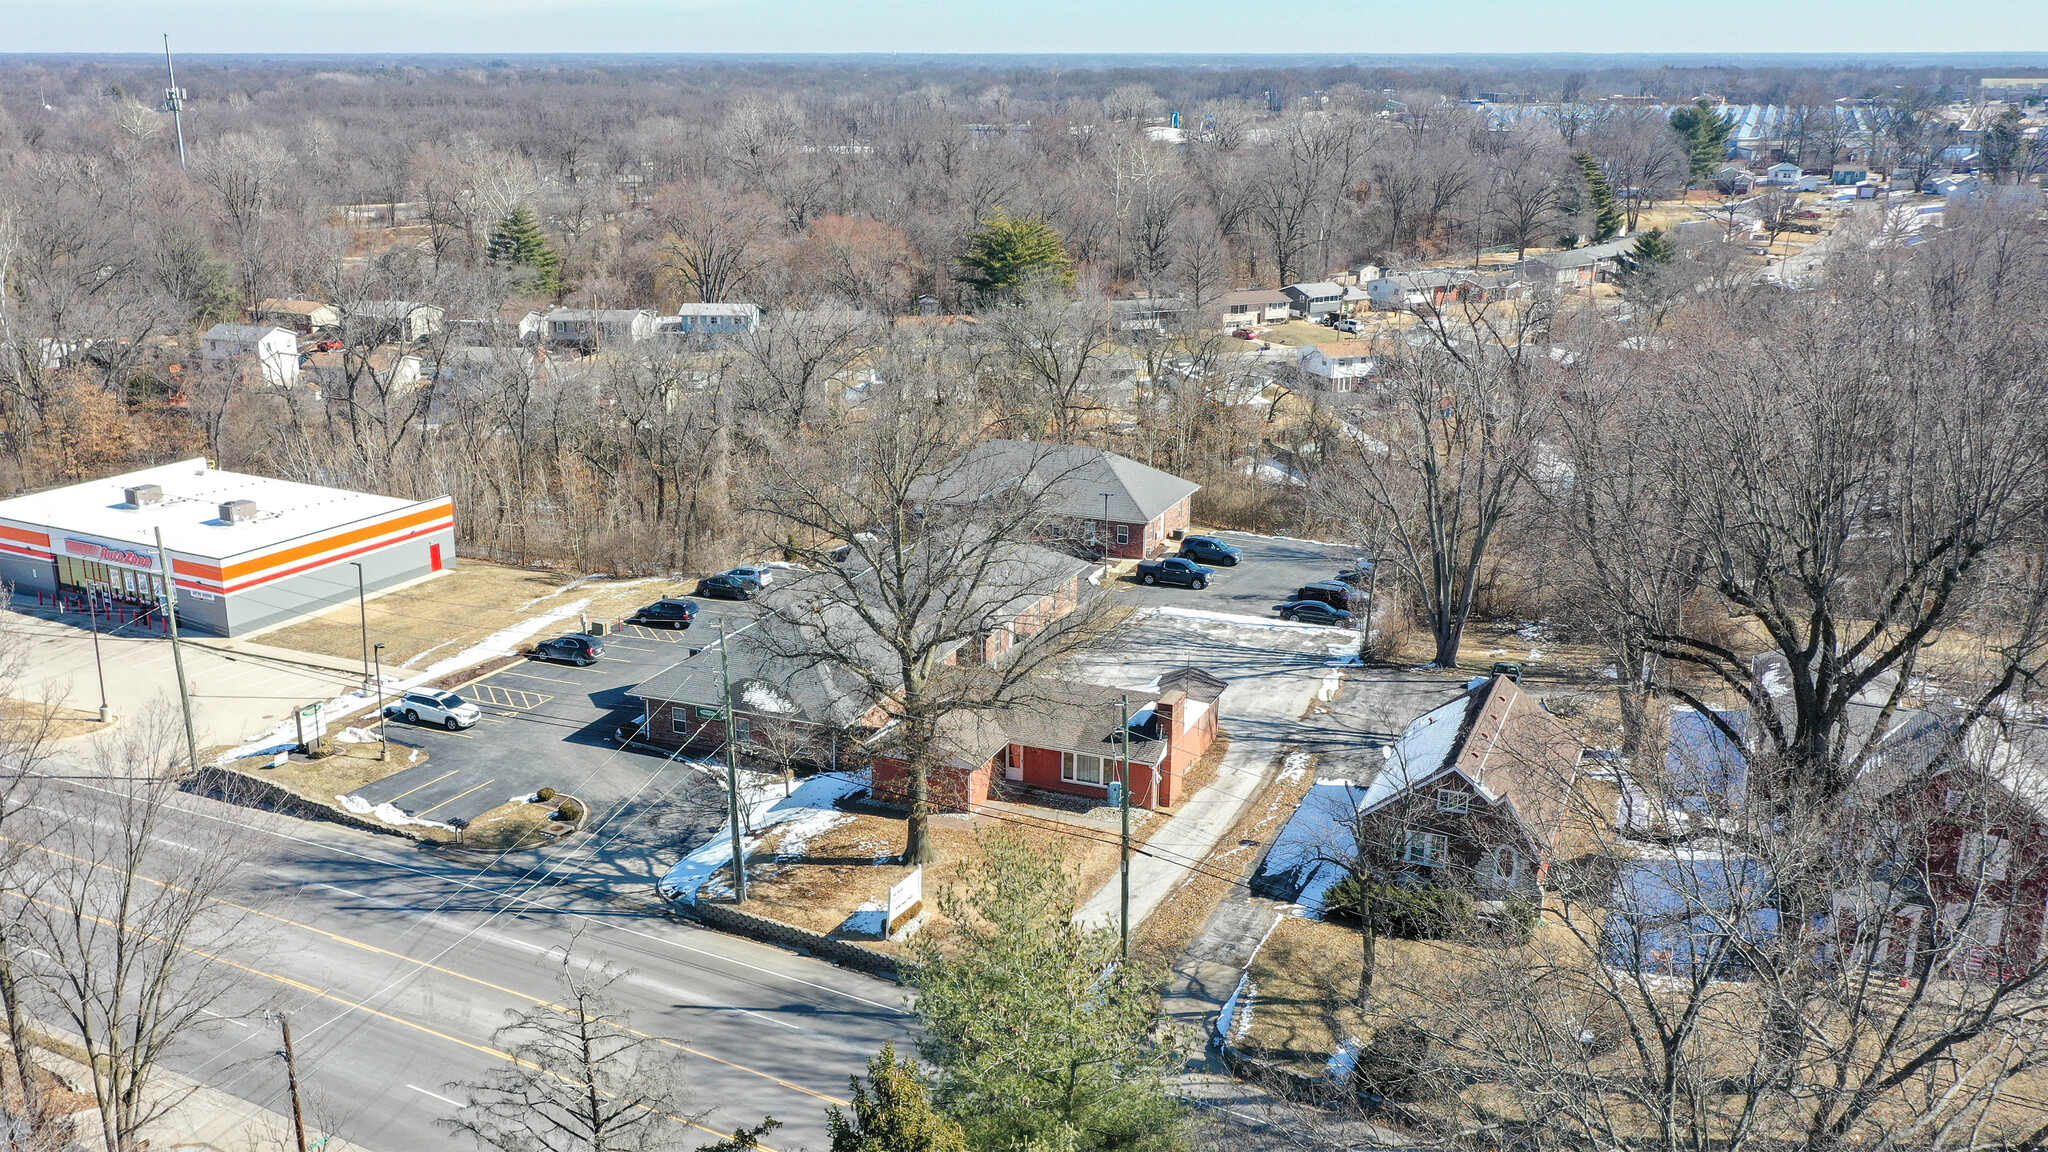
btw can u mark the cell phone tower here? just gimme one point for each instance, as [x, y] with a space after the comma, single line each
[174, 100]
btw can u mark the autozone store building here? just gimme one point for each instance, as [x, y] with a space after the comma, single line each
[242, 552]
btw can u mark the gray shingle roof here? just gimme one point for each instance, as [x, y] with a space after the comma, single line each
[1074, 478]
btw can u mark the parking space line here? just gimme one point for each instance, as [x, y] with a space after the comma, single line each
[499, 696]
[458, 796]
[532, 676]
[428, 784]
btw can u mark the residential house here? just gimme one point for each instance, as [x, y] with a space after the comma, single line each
[1782, 173]
[1474, 794]
[409, 321]
[1340, 365]
[591, 329]
[1071, 738]
[515, 323]
[1145, 313]
[1576, 268]
[1255, 306]
[1849, 172]
[303, 316]
[1734, 178]
[1436, 287]
[274, 352]
[387, 367]
[1312, 301]
[700, 323]
[1104, 502]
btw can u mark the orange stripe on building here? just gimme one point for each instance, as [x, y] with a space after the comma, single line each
[196, 570]
[24, 535]
[242, 568]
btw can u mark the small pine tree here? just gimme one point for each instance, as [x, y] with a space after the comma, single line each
[518, 242]
[1005, 251]
[893, 1113]
[1652, 251]
[1600, 200]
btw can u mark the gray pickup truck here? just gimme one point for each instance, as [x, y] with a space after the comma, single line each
[1174, 570]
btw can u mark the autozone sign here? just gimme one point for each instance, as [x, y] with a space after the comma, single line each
[109, 555]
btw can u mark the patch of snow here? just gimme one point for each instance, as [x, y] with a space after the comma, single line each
[1227, 1026]
[1293, 767]
[799, 831]
[1534, 654]
[1243, 620]
[390, 814]
[764, 698]
[1333, 683]
[1343, 1062]
[870, 919]
[354, 735]
[1611, 673]
[766, 807]
[1345, 656]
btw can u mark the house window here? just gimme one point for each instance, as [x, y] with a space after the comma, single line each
[1123, 534]
[1989, 855]
[1452, 800]
[679, 721]
[742, 730]
[1426, 848]
[1505, 865]
[1081, 768]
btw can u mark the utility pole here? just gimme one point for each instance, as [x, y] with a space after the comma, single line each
[170, 583]
[732, 773]
[363, 614]
[174, 100]
[1124, 810]
[291, 1077]
[92, 605]
[383, 721]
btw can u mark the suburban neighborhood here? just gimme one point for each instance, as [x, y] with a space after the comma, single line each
[924, 606]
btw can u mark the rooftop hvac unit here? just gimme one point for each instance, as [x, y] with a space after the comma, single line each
[143, 494]
[237, 511]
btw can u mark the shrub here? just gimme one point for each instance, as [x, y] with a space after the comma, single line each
[1403, 912]
[1395, 1065]
[544, 795]
[569, 812]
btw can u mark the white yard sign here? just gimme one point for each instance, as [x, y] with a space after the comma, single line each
[905, 897]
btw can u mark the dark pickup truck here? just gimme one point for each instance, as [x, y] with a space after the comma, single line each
[1174, 570]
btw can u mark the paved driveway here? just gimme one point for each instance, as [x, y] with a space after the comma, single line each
[549, 725]
[1272, 568]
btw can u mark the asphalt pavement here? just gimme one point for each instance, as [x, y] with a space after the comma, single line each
[398, 966]
[549, 724]
[1272, 568]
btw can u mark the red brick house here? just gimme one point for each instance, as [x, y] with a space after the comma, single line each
[1100, 501]
[1068, 738]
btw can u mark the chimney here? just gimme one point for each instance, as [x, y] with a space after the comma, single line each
[237, 511]
[142, 494]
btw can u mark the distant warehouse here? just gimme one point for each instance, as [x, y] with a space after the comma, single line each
[245, 552]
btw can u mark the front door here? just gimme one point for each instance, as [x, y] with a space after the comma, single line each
[1013, 763]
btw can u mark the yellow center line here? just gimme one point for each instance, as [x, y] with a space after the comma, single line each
[458, 796]
[428, 784]
[431, 967]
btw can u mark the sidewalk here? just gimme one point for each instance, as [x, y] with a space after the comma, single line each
[1191, 835]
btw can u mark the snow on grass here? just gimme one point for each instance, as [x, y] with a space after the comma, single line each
[390, 814]
[1236, 1015]
[1239, 618]
[1293, 767]
[1333, 683]
[1344, 1061]
[809, 807]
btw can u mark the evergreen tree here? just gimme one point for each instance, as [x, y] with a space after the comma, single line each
[1705, 133]
[893, 1113]
[1038, 1031]
[1652, 251]
[1600, 200]
[1005, 251]
[518, 242]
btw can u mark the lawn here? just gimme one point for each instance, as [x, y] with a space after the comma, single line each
[439, 618]
[26, 720]
[351, 768]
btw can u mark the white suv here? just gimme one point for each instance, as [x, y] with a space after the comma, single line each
[426, 706]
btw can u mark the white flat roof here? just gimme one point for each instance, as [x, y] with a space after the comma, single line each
[190, 512]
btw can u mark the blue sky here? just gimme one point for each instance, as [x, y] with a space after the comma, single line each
[1366, 26]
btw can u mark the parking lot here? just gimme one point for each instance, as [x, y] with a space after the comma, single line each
[548, 724]
[1272, 568]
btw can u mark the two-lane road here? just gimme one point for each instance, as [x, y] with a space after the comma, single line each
[398, 966]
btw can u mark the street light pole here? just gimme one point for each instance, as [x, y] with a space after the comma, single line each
[170, 604]
[732, 773]
[92, 605]
[383, 721]
[363, 614]
[1105, 523]
[1124, 810]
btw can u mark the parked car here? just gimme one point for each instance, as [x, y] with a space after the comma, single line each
[427, 706]
[666, 614]
[1348, 325]
[1174, 570]
[572, 649]
[1315, 612]
[1331, 592]
[1210, 550]
[1357, 577]
[1245, 334]
[725, 588]
[751, 574]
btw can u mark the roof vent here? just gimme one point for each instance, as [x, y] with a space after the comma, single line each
[143, 494]
[237, 511]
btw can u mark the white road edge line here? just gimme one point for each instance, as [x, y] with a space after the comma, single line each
[435, 1095]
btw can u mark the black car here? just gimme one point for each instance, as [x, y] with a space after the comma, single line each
[725, 588]
[667, 614]
[572, 649]
[1210, 550]
[1356, 577]
[1174, 570]
[1331, 592]
[1314, 612]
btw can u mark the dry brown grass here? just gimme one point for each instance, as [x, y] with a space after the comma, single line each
[506, 828]
[440, 617]
[351, 768]
[30, 718]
